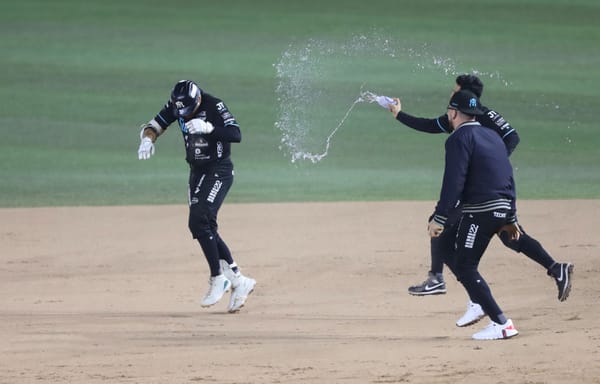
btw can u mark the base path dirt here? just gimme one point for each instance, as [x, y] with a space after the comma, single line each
[111, 295]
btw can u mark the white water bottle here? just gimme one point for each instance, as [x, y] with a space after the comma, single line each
[385, 101]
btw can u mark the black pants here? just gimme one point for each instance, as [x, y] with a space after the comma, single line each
[208, 188]
[444, 244]
[473, 234]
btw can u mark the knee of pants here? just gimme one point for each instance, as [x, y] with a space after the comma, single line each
[199, 224]
[465, 275]
[515, 245]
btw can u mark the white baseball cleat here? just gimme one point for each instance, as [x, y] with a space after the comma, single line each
[217, 286]
[242, 288]
[495, 331]
[473, 314]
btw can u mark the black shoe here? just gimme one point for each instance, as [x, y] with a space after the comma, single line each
[432, 286]
[561, 272]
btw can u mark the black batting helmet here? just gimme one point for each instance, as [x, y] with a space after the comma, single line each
[186, 97]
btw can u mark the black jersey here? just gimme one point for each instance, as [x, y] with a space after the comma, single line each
[477, 173]
[490, 119]
[205, 149]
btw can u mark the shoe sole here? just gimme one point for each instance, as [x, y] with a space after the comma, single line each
[504, 337]
[434, 292]
[210, 305]
[567, 290]
[477, 320]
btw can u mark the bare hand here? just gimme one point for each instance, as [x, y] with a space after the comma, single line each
[513, 230]
[396, 107]
[434, 229]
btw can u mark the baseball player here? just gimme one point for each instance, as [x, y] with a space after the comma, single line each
[440, 246]
[208, 129]
[478, 173]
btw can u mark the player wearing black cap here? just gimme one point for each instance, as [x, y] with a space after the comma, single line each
[477, 173]
[208, 129]
[434, 284]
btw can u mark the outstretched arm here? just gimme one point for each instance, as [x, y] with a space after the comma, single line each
[439, 125]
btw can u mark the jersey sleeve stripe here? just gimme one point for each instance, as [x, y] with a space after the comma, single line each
[440, 125]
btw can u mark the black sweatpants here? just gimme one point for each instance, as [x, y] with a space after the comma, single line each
[473, 234]
[444, 244]
[208, 188]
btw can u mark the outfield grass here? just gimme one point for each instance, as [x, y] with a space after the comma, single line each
[79, 78]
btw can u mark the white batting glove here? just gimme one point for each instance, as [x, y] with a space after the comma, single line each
[146, 149]
[199, 126]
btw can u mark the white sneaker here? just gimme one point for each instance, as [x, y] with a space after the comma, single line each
[496, 331]
[227, 271]
[473, 314]
[242, 287]
[217, 286]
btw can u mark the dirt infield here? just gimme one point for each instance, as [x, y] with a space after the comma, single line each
[88, 297]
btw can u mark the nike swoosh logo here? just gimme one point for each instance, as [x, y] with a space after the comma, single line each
[561, 275]
[428, 288]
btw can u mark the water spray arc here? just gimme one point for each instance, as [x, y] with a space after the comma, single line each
[310, 89]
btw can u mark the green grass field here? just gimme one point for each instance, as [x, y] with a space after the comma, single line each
[78, 78]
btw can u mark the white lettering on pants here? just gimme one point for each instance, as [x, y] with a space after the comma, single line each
[471, 236]
[213, 192]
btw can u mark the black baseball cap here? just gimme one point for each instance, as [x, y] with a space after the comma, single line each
[466, 102]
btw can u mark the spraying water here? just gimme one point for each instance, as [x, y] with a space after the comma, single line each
[365, 96]
[316, 78]
[303, 155]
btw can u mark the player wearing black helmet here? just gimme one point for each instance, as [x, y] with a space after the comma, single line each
[186, 98]
[208, 129]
